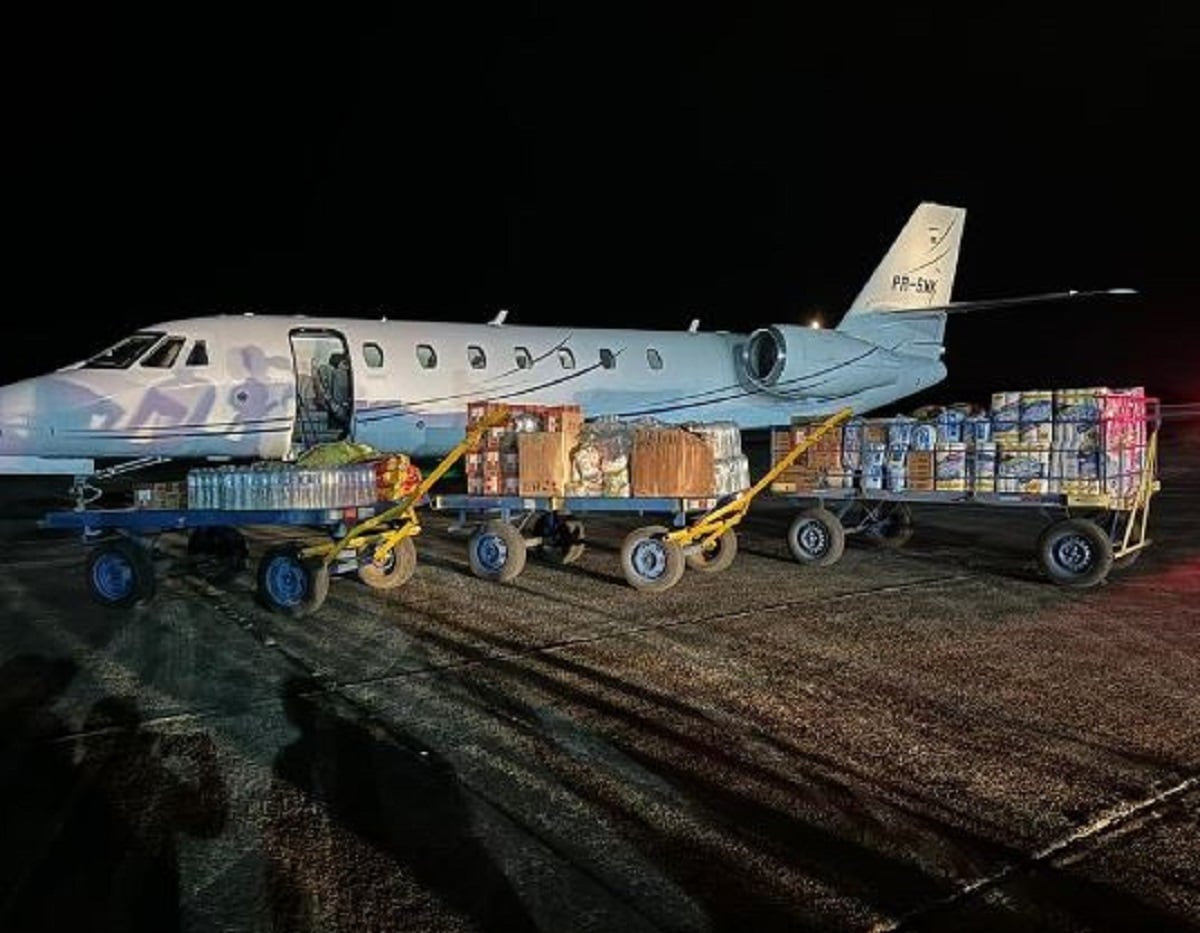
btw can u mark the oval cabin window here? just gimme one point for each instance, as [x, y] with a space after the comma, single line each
[426, 356]
[373, 355]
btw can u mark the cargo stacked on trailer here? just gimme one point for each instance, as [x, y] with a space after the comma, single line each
[534, 475]
[1086, 450]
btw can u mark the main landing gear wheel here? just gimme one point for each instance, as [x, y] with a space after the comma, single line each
[220, 552]
[718, 557]
[497, 552]
[120, 573]
[395, 569]
[562, 539]
[650, 562]
[1075, 552]
[289, 584]
[893, 526]
[816, 537]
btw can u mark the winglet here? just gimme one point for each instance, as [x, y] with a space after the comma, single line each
[694, 327]
[499, 318]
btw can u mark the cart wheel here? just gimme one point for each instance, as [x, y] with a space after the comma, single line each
[290, 585]
[221, 550]
[120, 573]
[718, 557]
[893, 528]
[562, 539]
[650, 562]
[497, 551]
[1075, 552]
[394, 570]
[816, 537]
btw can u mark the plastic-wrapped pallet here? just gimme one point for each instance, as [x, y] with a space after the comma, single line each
[950, 467]
[600, 461]
[731, 467]
[1077, 418]
[900, 431]
[1036, 411]
[981, 467]
[732, 475]
[977, 429]
[1023, 469]
[1006, 417]
[853, 436]
[874, 458]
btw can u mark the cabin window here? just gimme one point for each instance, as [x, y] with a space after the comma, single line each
[198, 355]
[476, 357]
[523, 357]
[654, 358]
[373, 355]
[164, 355]
[123, 355]
[566, 358]
[426, 356]
[608, 359]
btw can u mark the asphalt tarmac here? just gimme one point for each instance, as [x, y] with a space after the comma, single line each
[933, 738]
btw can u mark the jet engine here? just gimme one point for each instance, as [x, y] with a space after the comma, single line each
[803, 362]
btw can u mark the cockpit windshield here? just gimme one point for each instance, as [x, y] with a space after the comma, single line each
[124, 354]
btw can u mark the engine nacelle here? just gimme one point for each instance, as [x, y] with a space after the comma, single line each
[804, 362]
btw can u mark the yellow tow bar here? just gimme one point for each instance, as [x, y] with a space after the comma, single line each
[708, 528]
[405, 509]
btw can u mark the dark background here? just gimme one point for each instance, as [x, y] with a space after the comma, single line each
[746, 164]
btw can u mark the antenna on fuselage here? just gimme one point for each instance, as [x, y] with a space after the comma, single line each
[694, 327]
[499, 318]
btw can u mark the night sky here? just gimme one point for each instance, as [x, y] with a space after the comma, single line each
[746, 164]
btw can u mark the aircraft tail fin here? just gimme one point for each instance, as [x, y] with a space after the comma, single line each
[918, 270]
[901, 306]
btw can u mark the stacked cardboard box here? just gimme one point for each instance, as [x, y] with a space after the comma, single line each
[494, 467]
[544, 463]
[821, 466]
[920, 470]
[160, 495]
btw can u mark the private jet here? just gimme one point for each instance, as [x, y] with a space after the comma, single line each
[254, 386]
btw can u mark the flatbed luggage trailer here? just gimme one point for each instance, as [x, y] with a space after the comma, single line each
[1086, 535]
[292, 577]
[503, 529]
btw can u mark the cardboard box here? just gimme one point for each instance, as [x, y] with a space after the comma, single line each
[670, 462]
[545, 464]
[160, 495]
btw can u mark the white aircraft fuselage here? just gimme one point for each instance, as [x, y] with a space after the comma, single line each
[267, 386]
[244, 395]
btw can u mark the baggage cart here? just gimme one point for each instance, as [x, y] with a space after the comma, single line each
[1093, 525]
[693, 533]
[374, 543]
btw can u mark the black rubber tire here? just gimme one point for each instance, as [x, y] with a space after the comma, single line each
[396, 570]
[1075, 552]
[290, 585]
[650, 563]
[497, 552]
[562, 539]
[719, 558]
[894, 527]
[816, 537]
[220, 552]
[120, 573]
